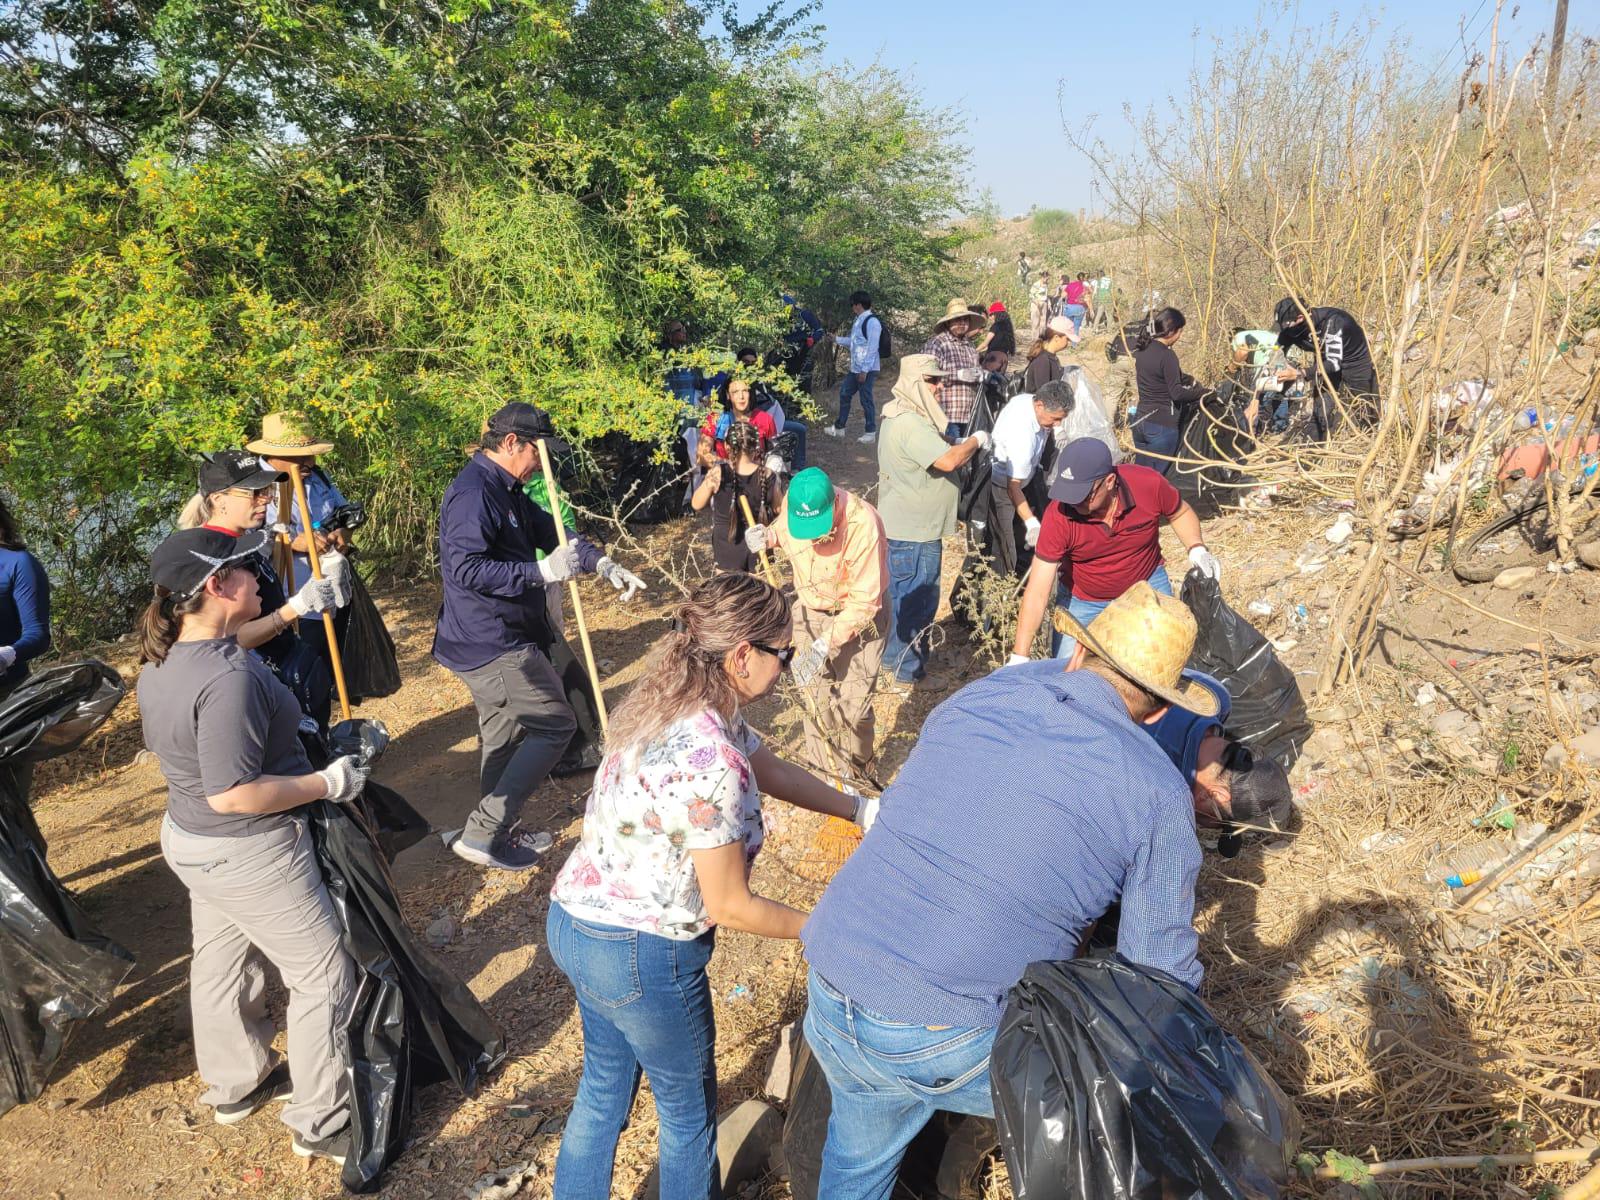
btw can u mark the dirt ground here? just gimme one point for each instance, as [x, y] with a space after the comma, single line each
[121, 1118]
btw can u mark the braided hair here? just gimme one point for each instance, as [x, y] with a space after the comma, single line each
[744, 441]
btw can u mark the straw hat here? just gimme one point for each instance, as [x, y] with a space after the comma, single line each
[1146, 637]
[284, 435]
[956, 310]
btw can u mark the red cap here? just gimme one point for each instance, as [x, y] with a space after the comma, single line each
[996, 307]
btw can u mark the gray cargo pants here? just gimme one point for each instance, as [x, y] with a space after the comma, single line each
[259, 897]
[525, 724]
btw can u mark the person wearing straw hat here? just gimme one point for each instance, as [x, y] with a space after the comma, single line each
[917, 499]
[494, 622]
[835, 544]
[1032, 801]
[952, 345]
[1100, 534]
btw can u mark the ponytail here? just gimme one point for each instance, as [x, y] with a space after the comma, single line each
[1162, 323]
[195, 513]
[161, 623]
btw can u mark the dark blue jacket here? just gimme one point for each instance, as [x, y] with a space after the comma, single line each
[490, 533]
[1179, 732]
[24, 612]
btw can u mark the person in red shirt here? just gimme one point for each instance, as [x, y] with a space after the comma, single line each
[736, 406]
[1101, 534]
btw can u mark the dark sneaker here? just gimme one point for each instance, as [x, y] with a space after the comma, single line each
[513, 850]
[334, 1147]
[275, 1086]
[588, 760]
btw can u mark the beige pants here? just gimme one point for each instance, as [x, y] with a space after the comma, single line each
[842, 694]
[1121, 390]
[254, 898]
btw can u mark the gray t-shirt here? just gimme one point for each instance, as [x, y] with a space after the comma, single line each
[216, 716]
[917, 503]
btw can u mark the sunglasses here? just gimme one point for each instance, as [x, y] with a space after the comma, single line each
[253, 493]
[784, 656]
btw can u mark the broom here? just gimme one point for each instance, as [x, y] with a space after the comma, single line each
[838, 838]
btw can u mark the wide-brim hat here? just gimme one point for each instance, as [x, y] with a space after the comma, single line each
[958, 309]
[1146, 637]
[284, 435]
[925, 366]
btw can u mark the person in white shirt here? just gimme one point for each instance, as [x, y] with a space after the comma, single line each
[863, 346]
[1020, 433]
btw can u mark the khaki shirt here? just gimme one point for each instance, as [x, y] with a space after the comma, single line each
[848, 575]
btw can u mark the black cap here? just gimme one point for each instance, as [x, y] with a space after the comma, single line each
[1262, 800]
[1288, 310]
[188, 558]
[529, 422]
[1083, 463]
[236, 469]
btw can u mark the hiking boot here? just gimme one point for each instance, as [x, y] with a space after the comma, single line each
[867, 438]
[274, 1086]
[833, 430]
[334, 1147]
[511, 850]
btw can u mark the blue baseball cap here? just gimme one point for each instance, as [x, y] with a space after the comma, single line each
[1084, 462]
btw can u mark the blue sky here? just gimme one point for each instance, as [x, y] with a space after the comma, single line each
[999, 64]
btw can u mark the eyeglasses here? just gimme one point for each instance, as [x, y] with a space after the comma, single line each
[253, 493]
[784, 656]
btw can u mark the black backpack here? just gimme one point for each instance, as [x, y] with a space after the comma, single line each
[1125, 341]
[885, 345]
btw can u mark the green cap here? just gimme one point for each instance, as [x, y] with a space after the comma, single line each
[810, 504]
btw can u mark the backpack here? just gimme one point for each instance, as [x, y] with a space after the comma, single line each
[885, 345]
[1124, 342]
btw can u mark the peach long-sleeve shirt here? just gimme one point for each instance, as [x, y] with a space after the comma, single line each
[846, 574]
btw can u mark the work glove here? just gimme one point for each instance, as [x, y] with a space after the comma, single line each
[755, 538]
[775, 464]
[809, 665]
[982, 437]
[1031, 538]
[619, 577]
[336, 569]
[1206, 562]
[344, 778]
[8, 657]
[866, 813]
[279, 529]
[1014, 659]
[318, 596]
[967, 374]
[560, 565]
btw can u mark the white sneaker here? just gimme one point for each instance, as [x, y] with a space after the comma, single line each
[833, 431]
[866, 439]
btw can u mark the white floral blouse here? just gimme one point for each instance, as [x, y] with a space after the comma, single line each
[692, 788]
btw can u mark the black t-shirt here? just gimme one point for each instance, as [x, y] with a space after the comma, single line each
[1161, 388]
[1043, 368]
[760, 487]
[1343, 343]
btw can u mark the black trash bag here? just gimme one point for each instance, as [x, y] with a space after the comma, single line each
[371, 669]
[413, 1022]
[946, 1161]
[1113, 1079]
[55, 968]
[1214, 434]
[1269, 714]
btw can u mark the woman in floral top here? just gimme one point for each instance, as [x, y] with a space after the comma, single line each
[671, 828]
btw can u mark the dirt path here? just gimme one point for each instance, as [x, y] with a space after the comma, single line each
[120, 1118]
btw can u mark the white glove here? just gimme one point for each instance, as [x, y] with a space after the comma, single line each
[8, 657]
[755, 538]
[560, 565]
[866, 813]
[1031, 539]
[809, 665]
[775, 463]
[336, 569]
[967, 374]
[344, 778]
[1014, 659]
[1206, 562]
[981, 436]
[278, 529]
[619, 577]
[318, 596]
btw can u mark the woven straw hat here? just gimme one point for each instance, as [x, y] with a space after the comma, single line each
[956, 310]
[284, 435]
[1146, 637]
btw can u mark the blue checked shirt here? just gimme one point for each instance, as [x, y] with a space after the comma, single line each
[1029, 805]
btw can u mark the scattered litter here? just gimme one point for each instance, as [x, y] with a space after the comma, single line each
[1426, 694]
[1284, 645]
[1382, 841]
[1590, 239]
[740, 994]
[1260, 608]
[501, 1185]
[1339, 532]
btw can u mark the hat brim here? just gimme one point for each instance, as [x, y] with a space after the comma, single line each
[261, 479]
[279, 450]
[979, 321]
[809, 529]
[1192, 697]
[1074, 491]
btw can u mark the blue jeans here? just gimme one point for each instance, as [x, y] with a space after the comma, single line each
[1158, 439]
[1075, 314]
[796, 430]
[645, 1003]
[887, 1080]
[957, 430]
[851, 386]
[913, 600]
[1083, 611]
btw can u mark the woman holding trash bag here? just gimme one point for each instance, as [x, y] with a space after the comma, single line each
[669, 833]
[24, 606]
[1162, 392]
[225, 731]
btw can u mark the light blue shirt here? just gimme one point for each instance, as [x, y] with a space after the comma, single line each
[1030, 804]
[863, 350]
[322, 498]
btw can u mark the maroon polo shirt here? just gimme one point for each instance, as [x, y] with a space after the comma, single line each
[1100, 562]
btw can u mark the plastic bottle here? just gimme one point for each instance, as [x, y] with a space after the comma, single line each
[1526, 419]
[1473, 863]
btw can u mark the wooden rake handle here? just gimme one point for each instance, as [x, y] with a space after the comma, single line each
[572, 586]
[316, 573]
